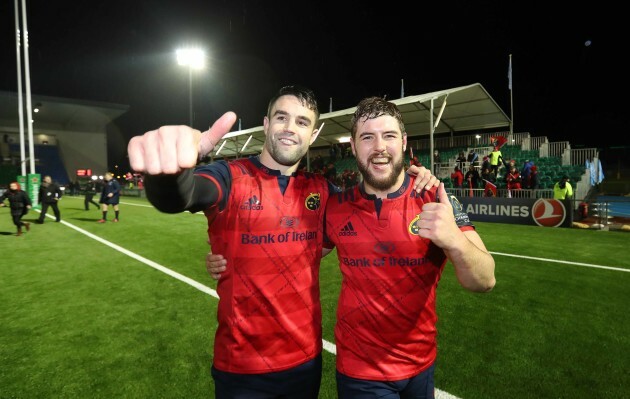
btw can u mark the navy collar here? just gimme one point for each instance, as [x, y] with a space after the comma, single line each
[255, 159]
[395, 194]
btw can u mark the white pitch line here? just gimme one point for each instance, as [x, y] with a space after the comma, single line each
[566, 262]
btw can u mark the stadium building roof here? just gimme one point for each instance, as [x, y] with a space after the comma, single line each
[59, 114]
[460, 109]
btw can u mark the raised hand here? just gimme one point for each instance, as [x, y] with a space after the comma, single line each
[424, 178]
[437, 222]
[170, 149]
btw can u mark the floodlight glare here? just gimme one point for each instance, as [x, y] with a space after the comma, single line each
[192, 57]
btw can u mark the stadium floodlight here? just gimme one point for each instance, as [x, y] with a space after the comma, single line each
[193, 58]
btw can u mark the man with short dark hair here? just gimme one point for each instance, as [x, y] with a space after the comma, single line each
[266, 218]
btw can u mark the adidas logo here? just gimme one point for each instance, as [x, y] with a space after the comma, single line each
[252, 204]
[347, 230]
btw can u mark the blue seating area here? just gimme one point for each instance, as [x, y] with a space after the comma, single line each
[47, 162]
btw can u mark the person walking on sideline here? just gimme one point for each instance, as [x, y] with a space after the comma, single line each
[19, 203]
[110, 196]
[49, 195]
[91, 188]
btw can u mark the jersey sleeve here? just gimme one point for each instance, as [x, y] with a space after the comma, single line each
[220, 176]
[186, 191]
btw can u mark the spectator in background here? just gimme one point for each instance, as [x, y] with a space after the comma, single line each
[457, 177]
[513, 179]
[461, 160]
[486, 163]
[91, 188]
[19, 203]
[318, 163]
[331, 173]
[302, 165]
[436, 163]
[488, 174]
[534, 179]
[473, 158]
[525, 171]
[333, 153]
[49, 195]
[350, 178]
[472, 177]
[562, 189]
[496, 160]
[415, 161]
[508, 165]
[110, 196]
[74, 187]
[348, 151]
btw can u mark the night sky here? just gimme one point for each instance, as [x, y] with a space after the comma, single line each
[567, 64]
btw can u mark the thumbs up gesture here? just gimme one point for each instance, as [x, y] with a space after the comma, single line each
[170, 149]
[437, 221]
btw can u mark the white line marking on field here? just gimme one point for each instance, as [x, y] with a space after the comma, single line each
[146, 261]
[132, 204]
[619, 269]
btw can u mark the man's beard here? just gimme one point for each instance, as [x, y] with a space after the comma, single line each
[383, 183]
[285, 158]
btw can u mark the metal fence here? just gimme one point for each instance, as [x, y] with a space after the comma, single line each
[502, 192]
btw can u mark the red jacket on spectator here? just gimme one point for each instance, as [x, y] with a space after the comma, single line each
[513, 179]
[457, 177]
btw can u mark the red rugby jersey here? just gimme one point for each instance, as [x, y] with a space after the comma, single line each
[269, 310]
[386, 319]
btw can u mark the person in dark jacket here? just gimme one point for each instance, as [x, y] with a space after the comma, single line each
[110, 196]
[534, 180]
[472, 177]
[91, 188]
[49, 195]
[19, 203]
